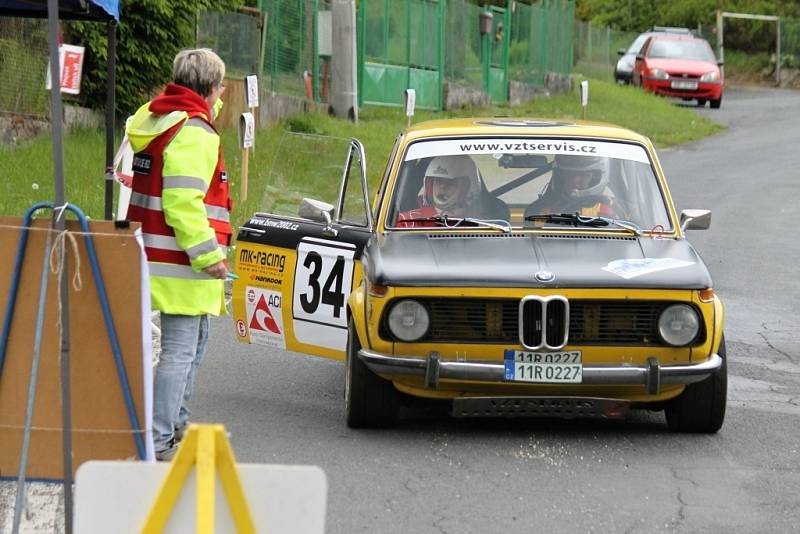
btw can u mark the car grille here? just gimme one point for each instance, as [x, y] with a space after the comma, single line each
[591, 322]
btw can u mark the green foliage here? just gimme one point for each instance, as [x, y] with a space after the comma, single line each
[24, 68]
[638, 15]
[149, 35]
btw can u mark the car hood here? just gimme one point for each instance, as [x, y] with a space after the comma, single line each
[691, 67]
[517, 260]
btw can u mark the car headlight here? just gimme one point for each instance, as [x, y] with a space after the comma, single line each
[659, 74]
[710, 77]
[678, 325]
[408, 320]
[623, 65]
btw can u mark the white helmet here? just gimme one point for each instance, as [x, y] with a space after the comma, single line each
[457, 167]
[565, 165]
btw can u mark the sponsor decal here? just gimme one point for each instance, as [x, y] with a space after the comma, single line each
[628, 151]
[274, 260]
[270, 223]
[631, 268]
[241, 329]
[265, 317]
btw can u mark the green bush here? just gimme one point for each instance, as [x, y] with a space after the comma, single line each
[150, 33]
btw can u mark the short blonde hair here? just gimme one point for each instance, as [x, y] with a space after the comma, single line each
[199, 69]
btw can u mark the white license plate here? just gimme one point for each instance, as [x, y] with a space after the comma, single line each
[564, 367]
[680, 84]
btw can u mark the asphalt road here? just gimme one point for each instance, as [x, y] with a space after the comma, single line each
[439, 475]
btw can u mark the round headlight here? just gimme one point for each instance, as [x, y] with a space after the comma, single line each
[678, 325]
[408, 320]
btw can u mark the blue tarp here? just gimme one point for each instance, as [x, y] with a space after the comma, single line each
[68, 9]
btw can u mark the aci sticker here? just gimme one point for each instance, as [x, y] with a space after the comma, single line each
[265, 317]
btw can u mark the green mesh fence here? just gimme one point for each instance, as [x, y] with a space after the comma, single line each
[23, 66]
[236, 37]
[596, 49]
[541, 41]
[463, 63]
[400, 47]
[290, 46]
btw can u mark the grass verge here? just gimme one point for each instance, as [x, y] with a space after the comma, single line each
[26, 174]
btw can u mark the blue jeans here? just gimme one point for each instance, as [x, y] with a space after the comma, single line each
[183, 346]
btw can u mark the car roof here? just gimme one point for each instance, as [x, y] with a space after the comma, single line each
[676, 37]
[515, 126]
[670, 29]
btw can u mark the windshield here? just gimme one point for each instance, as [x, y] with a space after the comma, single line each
[683, 49]
[508, 181]
[637, 44]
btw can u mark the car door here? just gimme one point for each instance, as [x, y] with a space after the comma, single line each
[639, 63]
[296, 271]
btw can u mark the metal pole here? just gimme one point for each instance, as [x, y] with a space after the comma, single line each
[111, 31]
[59, 223]
[778, 53]
[720, 42]
[19, 501]
[66, 397]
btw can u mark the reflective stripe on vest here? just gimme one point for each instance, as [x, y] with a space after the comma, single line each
[154, 203]
[176, 271]
[167, 242]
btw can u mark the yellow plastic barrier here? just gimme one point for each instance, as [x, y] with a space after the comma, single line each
[207, 447]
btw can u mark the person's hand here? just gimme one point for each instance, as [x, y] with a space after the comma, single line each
[218, 270]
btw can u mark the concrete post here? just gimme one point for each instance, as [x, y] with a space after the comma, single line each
[344, 99]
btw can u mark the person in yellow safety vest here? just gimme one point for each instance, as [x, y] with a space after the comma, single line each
[180, 195]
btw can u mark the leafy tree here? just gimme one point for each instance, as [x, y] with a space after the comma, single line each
[149, 35]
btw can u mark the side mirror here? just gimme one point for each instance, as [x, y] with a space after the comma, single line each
[621, 52]
[639, 58]
[318, 211]
[720, 63]
[695, 219]
[315, 210]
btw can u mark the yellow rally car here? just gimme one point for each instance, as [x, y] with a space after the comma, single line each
[512, 267]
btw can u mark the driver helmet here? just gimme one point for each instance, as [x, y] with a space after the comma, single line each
[566, 166]
[455, 167]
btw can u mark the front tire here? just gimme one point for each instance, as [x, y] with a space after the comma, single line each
[701, 406]
[369, 400]
[701, 102]
[715, 104]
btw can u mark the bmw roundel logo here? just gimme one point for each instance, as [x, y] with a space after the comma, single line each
[544, 276]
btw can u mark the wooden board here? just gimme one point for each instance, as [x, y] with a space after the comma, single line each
[101, 427]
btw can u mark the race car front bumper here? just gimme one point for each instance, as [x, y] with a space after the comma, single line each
[652, 375]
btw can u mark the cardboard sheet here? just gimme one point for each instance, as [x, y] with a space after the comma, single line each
[101, 427]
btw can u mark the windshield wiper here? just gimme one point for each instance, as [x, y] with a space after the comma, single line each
[454, 222]
[574, 219]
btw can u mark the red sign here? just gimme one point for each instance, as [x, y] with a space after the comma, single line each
[71, 63]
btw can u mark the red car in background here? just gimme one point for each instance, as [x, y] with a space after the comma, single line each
[682, 66]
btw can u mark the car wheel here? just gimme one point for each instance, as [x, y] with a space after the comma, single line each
[701, 102]
[701, 406]
[369, 400]
[716, 103]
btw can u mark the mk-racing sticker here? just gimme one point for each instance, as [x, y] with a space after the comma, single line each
[265, 317]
